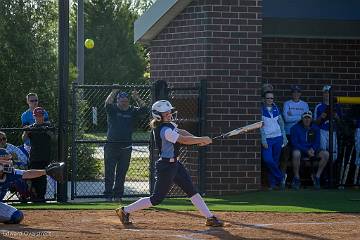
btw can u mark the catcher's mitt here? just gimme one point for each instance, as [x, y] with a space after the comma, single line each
[56, 171]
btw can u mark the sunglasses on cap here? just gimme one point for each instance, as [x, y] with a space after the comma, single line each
[122, 95]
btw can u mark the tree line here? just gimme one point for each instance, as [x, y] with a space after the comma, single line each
[29, 54]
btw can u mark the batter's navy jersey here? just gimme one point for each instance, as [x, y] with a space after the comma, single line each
[168, 169]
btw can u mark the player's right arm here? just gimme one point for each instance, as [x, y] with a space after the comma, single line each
[174, 136]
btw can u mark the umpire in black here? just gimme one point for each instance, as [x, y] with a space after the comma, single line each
[40, 153]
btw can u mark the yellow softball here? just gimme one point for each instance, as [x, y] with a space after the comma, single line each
[89, 43]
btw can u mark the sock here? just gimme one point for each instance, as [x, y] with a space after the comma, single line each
[138, 205]
[199, 203]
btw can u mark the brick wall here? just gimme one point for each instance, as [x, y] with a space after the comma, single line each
[219, 40]
[311, 63]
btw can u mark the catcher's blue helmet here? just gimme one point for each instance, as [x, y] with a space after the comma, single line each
[6, 168]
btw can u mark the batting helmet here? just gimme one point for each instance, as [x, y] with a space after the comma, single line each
[161, 106]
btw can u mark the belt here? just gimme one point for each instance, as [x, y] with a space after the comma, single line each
[169, 159]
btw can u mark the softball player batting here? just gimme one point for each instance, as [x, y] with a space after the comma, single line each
[168, 169]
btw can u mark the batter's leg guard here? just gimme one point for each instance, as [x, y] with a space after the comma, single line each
[123, 216]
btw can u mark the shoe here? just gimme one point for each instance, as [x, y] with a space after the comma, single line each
[316, 181]
[295, 183]
[283, 182]
[214, 222]
[123, 216]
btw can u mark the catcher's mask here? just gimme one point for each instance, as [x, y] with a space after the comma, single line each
[6, 168]
[163, 106]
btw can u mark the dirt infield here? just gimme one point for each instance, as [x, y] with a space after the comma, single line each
[101, 225]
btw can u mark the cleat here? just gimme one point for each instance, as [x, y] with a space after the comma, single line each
[296, 184]
[283, 182]
[214, 222]
[316, 181]
[123, 216]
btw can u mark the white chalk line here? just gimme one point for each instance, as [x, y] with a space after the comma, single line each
[181, 236]
[301, 223]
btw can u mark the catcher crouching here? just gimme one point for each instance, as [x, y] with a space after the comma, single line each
[8, 175]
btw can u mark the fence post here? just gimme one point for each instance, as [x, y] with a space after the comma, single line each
[73, 140]
[202, 104]
[63, 64]
[331, 138]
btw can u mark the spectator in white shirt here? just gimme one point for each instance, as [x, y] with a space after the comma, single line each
[292, 112]
[293, 109]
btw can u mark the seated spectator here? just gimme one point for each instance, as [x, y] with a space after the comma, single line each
[322, 116]
[20, 160]
[272, 138]
[292, 112]
[305, 138]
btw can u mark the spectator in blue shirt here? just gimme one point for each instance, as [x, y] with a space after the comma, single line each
[27, 117]
[305, 139]
[322, 116]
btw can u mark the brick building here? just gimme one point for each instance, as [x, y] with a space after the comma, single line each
[237, 45]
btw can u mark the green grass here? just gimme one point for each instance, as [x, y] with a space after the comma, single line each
[323, 201]
[138, 169]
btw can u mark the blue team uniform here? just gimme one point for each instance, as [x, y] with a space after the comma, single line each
[272, 135]
[168, 169]
[322, 107]
[303, 139]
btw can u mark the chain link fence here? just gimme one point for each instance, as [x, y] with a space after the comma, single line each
[89, 137]
[13, 137]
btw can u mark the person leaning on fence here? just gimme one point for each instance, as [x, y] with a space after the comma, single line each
[305, 138]
[20, 159]
[27, 117]
[322, 116]
[41, 136]
[121, 119]
[273, 137]
[169, 169]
